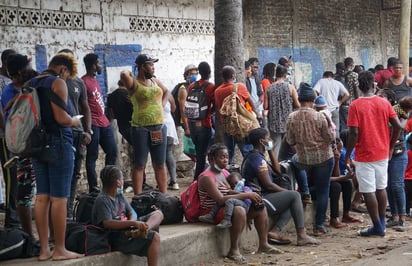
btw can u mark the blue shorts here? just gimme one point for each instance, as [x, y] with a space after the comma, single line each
[142, 144]
[54, 178]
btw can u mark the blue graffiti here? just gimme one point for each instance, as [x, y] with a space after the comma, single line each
[109, 56]
[303, 55]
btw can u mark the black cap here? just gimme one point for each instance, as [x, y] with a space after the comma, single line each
[17, 62]
[306, 93]
[141, 59]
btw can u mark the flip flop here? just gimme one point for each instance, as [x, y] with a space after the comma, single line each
[338, 225]
[276, 239]
[352, 220]
[271, 250]
[237, 258]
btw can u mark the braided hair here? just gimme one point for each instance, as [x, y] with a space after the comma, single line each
[109, 175]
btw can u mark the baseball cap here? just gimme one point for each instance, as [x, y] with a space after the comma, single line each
[141, 59]
[190, 67]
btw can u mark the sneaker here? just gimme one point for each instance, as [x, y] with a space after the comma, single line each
[146, 187]
[370, 232]
[2, 207]
[207, 218]
[400, 227]
[95, 189]
[306, 199]
[224, 224]
[391, 223]
[319, 230]
[174, 186]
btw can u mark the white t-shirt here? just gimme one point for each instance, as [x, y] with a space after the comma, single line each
[330, 89]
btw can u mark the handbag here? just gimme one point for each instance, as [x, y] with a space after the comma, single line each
[237, 120]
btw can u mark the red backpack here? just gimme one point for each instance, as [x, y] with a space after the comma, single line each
[191, 202]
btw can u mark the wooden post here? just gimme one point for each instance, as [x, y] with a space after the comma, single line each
[405, 34]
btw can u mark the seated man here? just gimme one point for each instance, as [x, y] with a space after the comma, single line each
[128, 234]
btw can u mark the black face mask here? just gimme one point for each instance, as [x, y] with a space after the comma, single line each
[147, 75]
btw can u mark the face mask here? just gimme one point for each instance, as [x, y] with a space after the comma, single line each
[119, 190]
[217, 167]
[147, 75]
[193, 78]
[396, 74]
[269, 146]
[290, 69]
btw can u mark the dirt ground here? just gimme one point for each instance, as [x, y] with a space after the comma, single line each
[339, 246]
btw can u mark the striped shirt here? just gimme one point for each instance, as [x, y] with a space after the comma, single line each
[205, 201]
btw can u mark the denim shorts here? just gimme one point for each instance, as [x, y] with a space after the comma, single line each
[54, 178]
[142, 145]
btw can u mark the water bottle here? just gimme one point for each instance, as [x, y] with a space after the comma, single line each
[240, 185]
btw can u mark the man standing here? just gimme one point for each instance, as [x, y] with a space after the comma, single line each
[332, 90]
[254, 85]
[382, 75]
[398, 82]
[102, 131]
[352, 85]
[370, 136]
[82, 134]
[221, 92]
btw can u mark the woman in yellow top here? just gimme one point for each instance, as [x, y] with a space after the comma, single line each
[148, 96]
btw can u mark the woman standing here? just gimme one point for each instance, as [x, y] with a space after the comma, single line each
[307, 130]
[280, 99]
[53, 178]
[148, 96]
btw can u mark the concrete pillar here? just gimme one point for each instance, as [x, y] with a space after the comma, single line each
[405, 34]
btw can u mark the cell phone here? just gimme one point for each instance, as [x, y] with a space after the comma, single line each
[78, 116]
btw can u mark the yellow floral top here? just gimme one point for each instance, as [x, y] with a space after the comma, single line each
[147, 105]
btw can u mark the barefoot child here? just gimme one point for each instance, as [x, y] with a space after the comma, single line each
[112, 211]
[237, 184]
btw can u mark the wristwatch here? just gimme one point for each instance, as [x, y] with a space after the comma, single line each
[90, 132]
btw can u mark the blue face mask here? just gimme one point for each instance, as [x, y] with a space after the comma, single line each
[193, 78]
[290, 69]
[218, 168]
[119, 190]
[269, 146]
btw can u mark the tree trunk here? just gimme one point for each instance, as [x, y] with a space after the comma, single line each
[228, 44]
[229, 38]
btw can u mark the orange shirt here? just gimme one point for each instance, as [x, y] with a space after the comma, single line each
[225, 89]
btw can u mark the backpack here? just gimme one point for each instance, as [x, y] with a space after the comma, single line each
[196, 106]
[15, 243]
[176, 114]
[87, 239]
[191, 202]
[25, 133]
[147, 202]
[237, 121]
[82, 211]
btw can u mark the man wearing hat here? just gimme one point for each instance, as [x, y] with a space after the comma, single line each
[148, 96]
[308, 131]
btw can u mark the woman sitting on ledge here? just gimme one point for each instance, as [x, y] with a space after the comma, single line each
[214, 188]
[280, 202]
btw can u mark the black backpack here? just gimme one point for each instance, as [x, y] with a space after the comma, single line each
[176, 114]
[15, 243]
[196, 107]
[171, 206]
[87, 239]
[82, 211]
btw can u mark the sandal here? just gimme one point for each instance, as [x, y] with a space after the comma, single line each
[274, 238]
[351, 220]
[359, 209]
[338, 225]
[237, 258]
[271, 250]
[319, 230]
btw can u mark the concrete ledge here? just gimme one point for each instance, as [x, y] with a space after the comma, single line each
[181, 244]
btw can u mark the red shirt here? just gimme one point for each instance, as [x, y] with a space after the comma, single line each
[382, 75]
[371, 116]
[210, 94]
[225, 89]
[95, 100]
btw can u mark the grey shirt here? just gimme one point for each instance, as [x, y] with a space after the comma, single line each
[107, 208]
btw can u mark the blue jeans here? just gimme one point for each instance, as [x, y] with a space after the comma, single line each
[54, 178]
[320, 174]
[396, 184]
[300, 175]
[103, 136]
[200, 137]
[231, 142]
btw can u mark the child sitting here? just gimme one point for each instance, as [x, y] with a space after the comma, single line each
[112, 211]
[321, 107]
[237, 184]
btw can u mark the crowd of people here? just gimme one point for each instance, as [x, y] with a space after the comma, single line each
[347, 134]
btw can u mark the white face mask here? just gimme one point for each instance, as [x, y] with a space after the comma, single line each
[217, 167]
[119, 190]
[269, 146]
